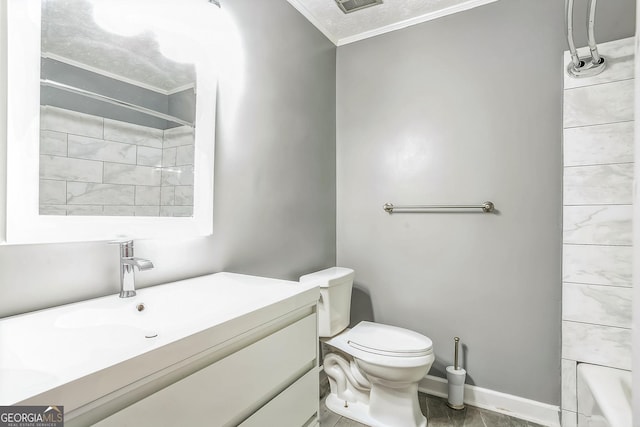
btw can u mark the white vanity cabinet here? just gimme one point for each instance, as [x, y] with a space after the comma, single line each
[218, 350]
[272, 382]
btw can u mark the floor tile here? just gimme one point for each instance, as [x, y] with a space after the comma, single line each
[516, 422]
[438, 415]
[438, 411]
[467, 417]
[327, 417]
[495, 419]
[346, 422]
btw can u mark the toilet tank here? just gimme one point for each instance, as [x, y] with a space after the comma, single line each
[334, 308]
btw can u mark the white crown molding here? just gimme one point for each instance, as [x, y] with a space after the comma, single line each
[300, 7]
[414, 21]
[515, 406]
[110, 75]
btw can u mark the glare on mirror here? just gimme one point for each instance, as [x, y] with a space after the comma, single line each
[118, 107]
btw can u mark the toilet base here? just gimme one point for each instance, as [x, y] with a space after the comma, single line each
[356, 411]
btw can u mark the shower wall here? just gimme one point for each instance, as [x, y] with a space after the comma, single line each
[597, 251]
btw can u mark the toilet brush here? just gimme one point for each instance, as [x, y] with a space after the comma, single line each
[456, 376]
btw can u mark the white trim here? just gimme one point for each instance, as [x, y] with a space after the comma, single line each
[519, 407]
[300, 7]
[414, 21]
[114, 76]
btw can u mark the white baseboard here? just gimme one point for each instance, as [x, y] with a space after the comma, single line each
[526, 409]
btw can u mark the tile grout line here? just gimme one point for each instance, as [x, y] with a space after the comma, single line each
[596, 284]
[598, 124]
[587, 165]
[599, 83]
[597, 324]
[598, 244]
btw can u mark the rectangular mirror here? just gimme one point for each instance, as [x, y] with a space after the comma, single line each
[103, 101]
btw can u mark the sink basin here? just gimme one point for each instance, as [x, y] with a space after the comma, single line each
[113, 341]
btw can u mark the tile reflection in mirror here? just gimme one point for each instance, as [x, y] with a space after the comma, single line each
[83, 173]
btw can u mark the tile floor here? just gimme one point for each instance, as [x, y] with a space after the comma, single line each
[438, 415]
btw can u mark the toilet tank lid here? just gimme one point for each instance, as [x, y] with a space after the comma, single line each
[391, 340]
[328, 277]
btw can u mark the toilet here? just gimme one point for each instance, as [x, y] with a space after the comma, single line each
[373, 369]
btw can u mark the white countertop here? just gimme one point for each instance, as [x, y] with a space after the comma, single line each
[82, 351]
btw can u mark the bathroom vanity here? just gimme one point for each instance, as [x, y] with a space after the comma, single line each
[218, 350]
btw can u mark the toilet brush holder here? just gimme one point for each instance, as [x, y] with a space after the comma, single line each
[455, 378]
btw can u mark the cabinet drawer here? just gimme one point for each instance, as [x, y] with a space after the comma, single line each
[230, 390]
[292, 408]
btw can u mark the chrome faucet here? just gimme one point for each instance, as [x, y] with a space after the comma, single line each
[127, 264]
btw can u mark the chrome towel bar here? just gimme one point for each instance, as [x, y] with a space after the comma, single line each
[487, 207]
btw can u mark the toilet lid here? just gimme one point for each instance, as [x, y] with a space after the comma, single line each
[389, 340]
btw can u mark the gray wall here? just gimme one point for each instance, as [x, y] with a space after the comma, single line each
[460, 110]
[182, 105]
[274, 209]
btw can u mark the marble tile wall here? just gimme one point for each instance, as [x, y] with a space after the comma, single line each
[95, 166]
[597, 219]
[176, 198]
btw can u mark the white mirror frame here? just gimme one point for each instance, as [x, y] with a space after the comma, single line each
[24, 224]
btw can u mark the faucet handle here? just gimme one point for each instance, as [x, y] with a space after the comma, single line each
[126, 247]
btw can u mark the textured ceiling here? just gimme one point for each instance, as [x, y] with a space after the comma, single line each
[69, 31]
[344, 28]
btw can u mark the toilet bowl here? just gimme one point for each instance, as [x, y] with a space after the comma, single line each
[373, 369]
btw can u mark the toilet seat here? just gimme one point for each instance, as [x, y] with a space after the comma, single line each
[386, 340]
[385, 356]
